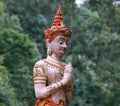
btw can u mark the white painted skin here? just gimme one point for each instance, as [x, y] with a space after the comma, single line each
[58, 47]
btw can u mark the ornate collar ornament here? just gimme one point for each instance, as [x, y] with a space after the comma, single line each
[52, 63]
[58, 28]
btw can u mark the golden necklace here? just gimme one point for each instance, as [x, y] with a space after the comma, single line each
[55, 64]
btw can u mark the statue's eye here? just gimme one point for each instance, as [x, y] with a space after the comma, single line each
[61, 42]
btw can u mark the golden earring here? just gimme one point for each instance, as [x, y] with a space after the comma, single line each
[49, 51]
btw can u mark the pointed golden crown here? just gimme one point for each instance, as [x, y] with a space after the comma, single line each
[58, 28]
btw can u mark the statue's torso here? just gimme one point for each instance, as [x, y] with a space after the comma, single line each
[54, 73]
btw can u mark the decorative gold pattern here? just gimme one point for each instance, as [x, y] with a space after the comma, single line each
[40, 78]
[40, 82]
[58, 28]
[49, 51]
[53, 64]
[59, 84]
[39, 66]
[62, 24]
[39, 75]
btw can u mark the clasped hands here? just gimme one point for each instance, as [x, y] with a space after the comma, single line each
[67, 78]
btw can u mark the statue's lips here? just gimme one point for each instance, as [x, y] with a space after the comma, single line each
[63, 50]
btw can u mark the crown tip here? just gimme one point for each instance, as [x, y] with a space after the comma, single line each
[59, 11]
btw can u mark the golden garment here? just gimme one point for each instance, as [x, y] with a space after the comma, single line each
[48, 102]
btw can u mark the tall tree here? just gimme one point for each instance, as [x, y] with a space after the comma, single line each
[95, 59]
[18, 53]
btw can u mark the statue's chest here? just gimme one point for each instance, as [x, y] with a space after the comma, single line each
[54, 71]
[54, 74]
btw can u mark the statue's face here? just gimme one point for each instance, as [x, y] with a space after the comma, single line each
[59, 45]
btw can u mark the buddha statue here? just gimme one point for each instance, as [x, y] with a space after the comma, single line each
[52, 77]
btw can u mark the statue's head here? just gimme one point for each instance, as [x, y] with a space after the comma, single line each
[58, 35]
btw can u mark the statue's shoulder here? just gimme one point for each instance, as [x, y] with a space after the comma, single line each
[38, 69]
[39, 63]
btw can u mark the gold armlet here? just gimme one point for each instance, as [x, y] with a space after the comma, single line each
[39, 82]
[39, 78]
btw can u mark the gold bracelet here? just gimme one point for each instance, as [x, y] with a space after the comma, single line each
[59, 84]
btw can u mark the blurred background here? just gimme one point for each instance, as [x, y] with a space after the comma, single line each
[94, 49]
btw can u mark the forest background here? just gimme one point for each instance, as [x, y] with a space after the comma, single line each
[94, 49]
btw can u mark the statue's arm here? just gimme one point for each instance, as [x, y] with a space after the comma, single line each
[40, 82]
[42, 90]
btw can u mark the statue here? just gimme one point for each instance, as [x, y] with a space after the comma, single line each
[52, 77]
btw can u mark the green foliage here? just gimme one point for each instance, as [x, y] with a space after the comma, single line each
[18, 51]
[31, 19]
[96, 55]
[7, 94]
[7, 21]
[117, 20]
[18, 46]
